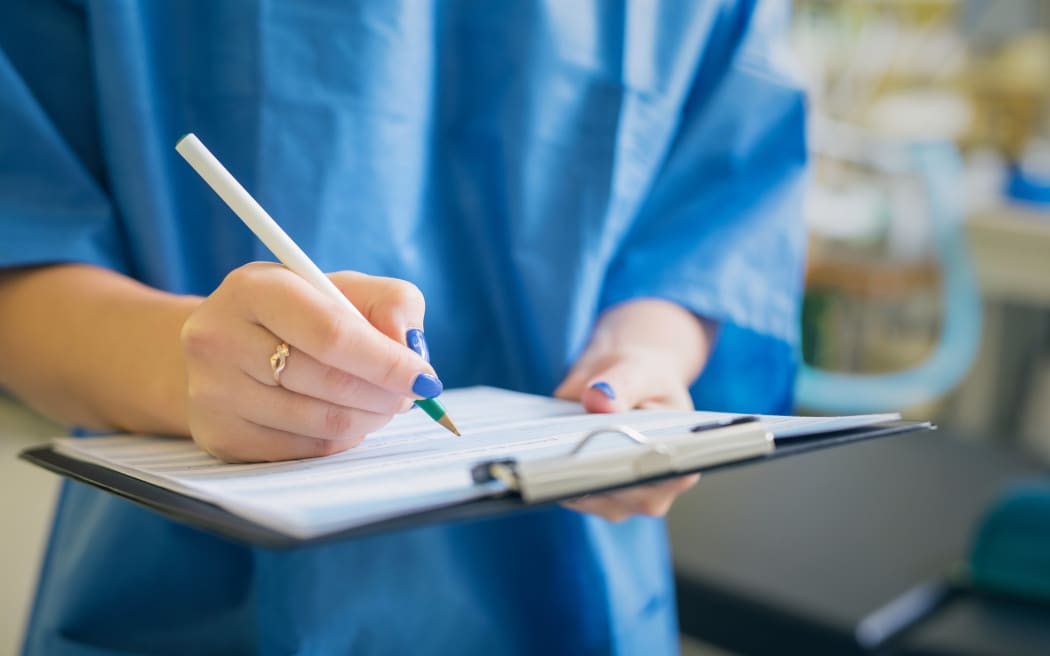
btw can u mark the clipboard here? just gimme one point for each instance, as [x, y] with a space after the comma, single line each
[525, 485]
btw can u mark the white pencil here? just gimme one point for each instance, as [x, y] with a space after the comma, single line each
[276, 239]
[256, 218]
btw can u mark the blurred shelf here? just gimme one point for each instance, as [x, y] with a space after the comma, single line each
[1011, 252]
[870, 277]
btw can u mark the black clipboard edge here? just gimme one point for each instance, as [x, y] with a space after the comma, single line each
[216, 520]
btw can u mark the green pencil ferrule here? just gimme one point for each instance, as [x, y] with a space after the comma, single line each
[432, 408]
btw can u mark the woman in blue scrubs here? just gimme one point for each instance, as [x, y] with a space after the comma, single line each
[595, 200]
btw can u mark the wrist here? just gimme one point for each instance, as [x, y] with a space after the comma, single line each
[657, 332]
[157, 404]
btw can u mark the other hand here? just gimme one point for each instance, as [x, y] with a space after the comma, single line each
[627, 365]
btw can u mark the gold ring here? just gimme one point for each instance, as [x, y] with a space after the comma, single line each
[278, 360]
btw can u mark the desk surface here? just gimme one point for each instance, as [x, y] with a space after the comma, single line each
[972, 627]
[808, 547]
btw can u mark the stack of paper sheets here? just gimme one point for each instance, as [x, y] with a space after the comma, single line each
[411, 465]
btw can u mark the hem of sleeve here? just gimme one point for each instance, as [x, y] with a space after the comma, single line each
[44, 252]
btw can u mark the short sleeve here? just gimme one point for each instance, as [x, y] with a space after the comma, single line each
[720, 231]
[51, 209]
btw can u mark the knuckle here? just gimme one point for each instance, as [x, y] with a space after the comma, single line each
[242, 276]
[196, 339]
[254, 270]
[240, 284]
[235, 289]
[338, 422]
[403, 292]
[330, 447]
[235, 277]
[319, 447]
[335, 334]
[342, 385]
[399, 298]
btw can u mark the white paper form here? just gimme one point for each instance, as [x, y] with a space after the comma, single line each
[411, 465]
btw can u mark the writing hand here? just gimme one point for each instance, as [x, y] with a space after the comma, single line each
[343, 379]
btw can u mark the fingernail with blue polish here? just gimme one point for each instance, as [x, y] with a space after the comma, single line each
[418, 343]
[427, 386]
[605, 388]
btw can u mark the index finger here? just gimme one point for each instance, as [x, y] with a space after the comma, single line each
[294, 311]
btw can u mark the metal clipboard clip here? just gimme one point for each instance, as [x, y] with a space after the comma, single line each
[582, 471]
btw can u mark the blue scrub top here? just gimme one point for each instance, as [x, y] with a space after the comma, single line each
[526, 164]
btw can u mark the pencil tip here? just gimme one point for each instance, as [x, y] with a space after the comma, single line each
[447, 422]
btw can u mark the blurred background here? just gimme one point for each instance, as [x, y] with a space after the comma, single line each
[928, 291]
[930, 131]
